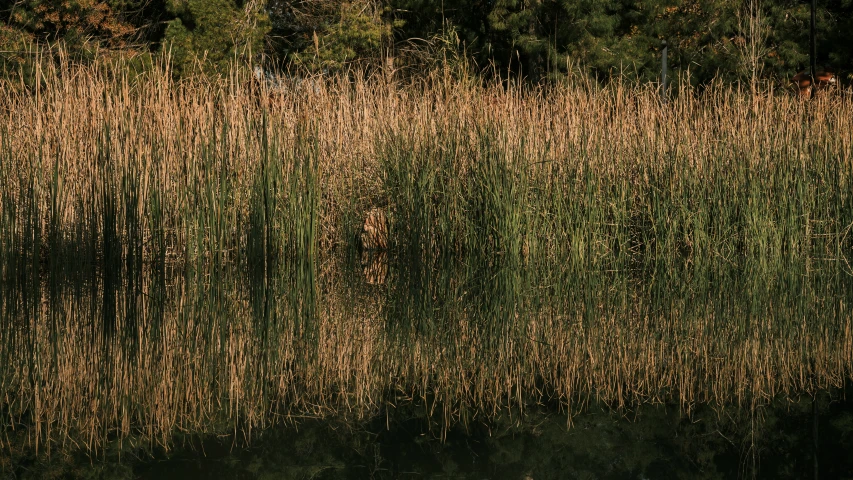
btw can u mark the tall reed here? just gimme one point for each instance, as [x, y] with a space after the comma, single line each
[149, 168]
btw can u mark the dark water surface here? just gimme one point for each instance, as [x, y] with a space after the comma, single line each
[361, 368]
[651, 442]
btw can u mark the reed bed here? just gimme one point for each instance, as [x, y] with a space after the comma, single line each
[171, 251]
[99, 165]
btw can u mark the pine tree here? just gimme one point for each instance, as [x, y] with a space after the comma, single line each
[210, 34]
[328, 35]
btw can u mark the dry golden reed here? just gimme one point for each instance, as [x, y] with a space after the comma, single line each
[178, 165]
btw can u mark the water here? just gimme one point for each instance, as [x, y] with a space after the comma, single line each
[649, 442]
[411, 368]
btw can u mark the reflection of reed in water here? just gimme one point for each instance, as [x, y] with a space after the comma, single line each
[212, 355]
[373, 240]
[374, 266]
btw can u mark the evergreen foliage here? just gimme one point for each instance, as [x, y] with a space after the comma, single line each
[212, 33]
[734, 40]
[327, 35]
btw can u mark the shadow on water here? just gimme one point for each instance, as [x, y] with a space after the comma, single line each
[652, 441]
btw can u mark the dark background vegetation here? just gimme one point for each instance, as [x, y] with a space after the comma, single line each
[538, 40]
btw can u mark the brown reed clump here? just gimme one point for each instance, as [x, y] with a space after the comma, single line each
[374, 232]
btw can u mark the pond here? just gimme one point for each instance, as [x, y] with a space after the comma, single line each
[414, 367]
